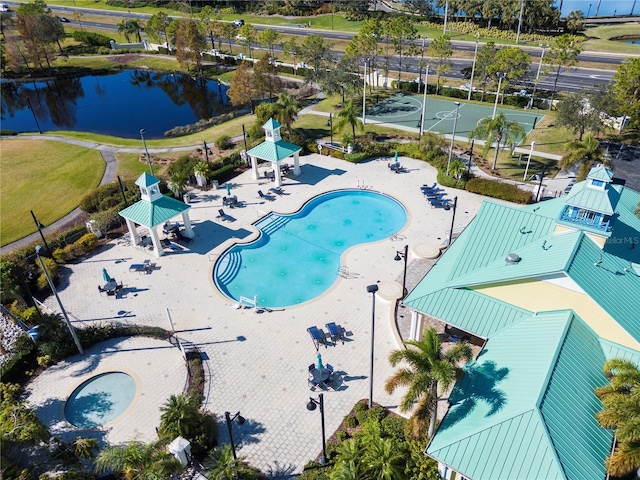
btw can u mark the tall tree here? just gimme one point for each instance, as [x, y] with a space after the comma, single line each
[575, 21]
[440, 50]
[242, 92]
[429, 371]
[138, 461]
[585, 153]
[495, 130]
[40, 31]
[626, 86]
[316, 51]
[265, 76]
[402, 33]
[348, 116]
[286, 110]
[209, 17]
[248, 35]
[189, 44]
[268, 39]
[229, 33]
[511, 61]
[156, 28]
[484, 60]
[582, 111]
[129, 28]
[621, 413]
[563, 55]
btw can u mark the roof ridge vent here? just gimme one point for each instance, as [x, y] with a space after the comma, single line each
[512, 259]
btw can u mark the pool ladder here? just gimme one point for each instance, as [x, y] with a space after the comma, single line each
[231, 267]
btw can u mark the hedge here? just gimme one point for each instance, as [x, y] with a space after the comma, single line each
[90, 38]
[497, 189]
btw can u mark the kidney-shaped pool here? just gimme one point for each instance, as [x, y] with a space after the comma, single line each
[297, 256]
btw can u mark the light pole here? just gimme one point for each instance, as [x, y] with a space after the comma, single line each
[244, 137]
[55, 292]
[535, 84]
[597, 9]
[495, 106]
[142, 132]
[473, 69]
[424, 101]
[453, 136]
[40, 226]
[206, 151]
[470, 158]
[446, 14]
[34, 116]
[535, 120]
[589, 11]
[364, 93]
[453, 218]
[311, 406]
[540, 184]
[372, 289]
[526, 169]
[331, 126]
[399, 256]
[123, 189]
[520, 21]
[239, 419]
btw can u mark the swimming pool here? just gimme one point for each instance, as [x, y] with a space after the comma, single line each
[297, 257]
[100, 399]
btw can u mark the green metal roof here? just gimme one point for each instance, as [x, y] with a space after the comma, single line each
[625, 237]
[545, 256]
[274, 151]
[271, 124]
[615, 350]
[600, 173]
[145, 180]
[525, 409]
[150, 214]
[594, 199]
[603, 277]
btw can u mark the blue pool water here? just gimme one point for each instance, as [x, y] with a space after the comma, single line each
[100, 400]
[297, 257]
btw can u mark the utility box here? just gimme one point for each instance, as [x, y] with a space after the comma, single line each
[92, 226]
[181, 449]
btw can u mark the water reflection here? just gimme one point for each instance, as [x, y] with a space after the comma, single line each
[114, 104]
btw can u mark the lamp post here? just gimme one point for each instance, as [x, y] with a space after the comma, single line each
[142, 132]
[34, 116]
[453, 136]
[535, 120]
[535, 84]
[526, 169]
[123, 189]
[244, 137]
[40, 226]
[473, 69]
[540, 184]
[424, 101]
[446, 14]
[239, 419]
[520, 21]
[364, 93]
[470, 157]
[495, 106]
[372, 289]
[399, 256]
[311, 406]
[589, 11]
[597, 9]
[331, 126]
[55, 292]
[453, 218]
[206, 151]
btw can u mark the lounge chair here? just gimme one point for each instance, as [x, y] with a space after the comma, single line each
[436, 196]
[141, 267]
[435, 185]
[181, 238]
[318, 336]
[276, 190]
[439, 203]
[265, 197]
[336, 332]
[167, 244]
[221, 215]
[101, 290]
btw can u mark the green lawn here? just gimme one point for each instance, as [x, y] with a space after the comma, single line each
[47, 177]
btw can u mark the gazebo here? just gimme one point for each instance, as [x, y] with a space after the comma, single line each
[152, 210]
[274, 150]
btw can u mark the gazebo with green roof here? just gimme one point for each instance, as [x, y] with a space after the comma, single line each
[274, 150]
[152, 210]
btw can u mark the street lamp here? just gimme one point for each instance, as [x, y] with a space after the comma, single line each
[453, 135]
[40, 226]
[142, 132]
[520, 21]
[399, 256]
[495, 106]
[526, 169]
[589, 11]
[535, 120]
[424, 101]
[239, 419]
[244, 137]
[535, 84]
[206, 151]
[311, 406]
[470, 158]
[364, 93]
[331, 126]
[55, 292]
[453, 218]
[473, 69]
[34, 116]
[372, 289]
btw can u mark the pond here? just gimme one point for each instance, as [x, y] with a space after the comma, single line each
[117, 104]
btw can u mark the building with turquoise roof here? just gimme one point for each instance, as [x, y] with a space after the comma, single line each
[553, 290]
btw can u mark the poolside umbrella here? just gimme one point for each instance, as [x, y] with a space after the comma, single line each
[396, 157]
[105, 275]
[319, 366]
[228, 189]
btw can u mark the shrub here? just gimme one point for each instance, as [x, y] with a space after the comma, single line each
[52, 268]
[183, 167]
[90, 38]
[350, 421]
[393, 426]
[342, 435]
[107, 219]
[375, 414]
[501, 190]
[224, 142]
[60, 255]
[88, 242]
[360, 409]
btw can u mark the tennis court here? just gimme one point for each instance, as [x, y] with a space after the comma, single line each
[404, 111]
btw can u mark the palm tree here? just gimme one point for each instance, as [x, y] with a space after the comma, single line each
[575, 21]
[585, 153]
[384, 460]
[180, 416]
[349, 116]
[457, 168]
[138, 461]
[177, 184]
[220, 465]
[286, 110]
[495, 130]
[429, 368]
[621, 412]
[349, 465]
[129, 28]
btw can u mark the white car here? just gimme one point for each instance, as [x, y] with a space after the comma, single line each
[4, 7]
[302, 65]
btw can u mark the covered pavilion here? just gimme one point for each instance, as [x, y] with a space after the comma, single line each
[274, 150]
[154, 209]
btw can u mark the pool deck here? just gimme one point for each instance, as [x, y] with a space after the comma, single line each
[256, 363]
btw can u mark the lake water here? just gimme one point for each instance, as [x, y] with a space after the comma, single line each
[606, 8]
[115, 104]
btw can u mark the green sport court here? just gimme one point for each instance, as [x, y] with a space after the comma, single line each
[404, 111]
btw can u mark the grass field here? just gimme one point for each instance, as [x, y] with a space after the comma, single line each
[47, 177]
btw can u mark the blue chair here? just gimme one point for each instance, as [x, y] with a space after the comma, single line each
[336, 332]
[318, 336]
